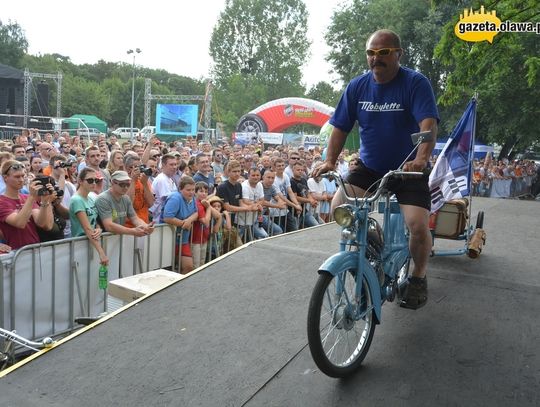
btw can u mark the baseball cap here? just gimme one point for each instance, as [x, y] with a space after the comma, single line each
[120, 176]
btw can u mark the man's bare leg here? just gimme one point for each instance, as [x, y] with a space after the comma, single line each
[420, 242]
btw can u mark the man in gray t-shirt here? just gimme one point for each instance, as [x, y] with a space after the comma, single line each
[114, 207]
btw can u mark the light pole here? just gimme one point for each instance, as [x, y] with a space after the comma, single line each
[130, 51]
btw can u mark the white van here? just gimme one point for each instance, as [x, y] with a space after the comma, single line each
[125, 132]
[147, 131]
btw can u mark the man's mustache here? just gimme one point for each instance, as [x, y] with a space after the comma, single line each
[378, 63]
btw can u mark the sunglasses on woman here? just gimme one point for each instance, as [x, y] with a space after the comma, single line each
[15, 167]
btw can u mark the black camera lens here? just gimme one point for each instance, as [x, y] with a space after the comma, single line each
[59, 192]
[145, 170]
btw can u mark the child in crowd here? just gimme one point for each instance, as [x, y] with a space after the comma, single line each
[180, 210]
[221, 228]
[201, 228]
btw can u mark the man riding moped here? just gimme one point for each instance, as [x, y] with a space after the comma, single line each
[390, 102]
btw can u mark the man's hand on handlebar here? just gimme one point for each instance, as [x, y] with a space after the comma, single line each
[323, 169]
[416, 165]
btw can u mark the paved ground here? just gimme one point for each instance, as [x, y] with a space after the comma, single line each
[234, 334]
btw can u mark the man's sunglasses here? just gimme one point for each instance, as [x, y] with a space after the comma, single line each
[94, 180]
[123, 184]
[382, 52]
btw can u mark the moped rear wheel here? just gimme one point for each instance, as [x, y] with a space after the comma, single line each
[338, 338]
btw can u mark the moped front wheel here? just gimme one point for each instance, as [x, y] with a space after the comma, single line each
[340, 327]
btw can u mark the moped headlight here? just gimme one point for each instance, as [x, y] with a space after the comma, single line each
[344, 215]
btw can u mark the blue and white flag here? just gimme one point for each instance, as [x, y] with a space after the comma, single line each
[451, 175]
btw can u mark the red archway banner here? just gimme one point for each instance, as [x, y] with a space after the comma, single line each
[277, 115]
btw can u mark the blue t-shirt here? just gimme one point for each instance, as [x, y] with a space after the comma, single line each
[387, 115]
[210, 180]
[177, 207]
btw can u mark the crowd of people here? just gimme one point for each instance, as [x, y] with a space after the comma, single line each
[57, 186]
[521, 173]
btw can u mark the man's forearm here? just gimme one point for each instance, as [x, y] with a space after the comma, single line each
[118, 229]
[425, 149]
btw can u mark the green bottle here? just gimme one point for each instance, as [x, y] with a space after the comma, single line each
[103, 276]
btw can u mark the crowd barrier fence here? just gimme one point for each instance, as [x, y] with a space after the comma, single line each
[45, 286]
[505, 188]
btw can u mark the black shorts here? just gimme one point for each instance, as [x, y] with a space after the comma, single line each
[414, 191]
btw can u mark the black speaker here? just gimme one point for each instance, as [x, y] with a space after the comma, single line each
[43, 99]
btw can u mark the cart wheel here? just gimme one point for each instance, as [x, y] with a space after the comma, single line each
[480, 220]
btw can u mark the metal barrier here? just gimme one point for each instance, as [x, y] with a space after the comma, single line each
[506, 188]
[44, 287]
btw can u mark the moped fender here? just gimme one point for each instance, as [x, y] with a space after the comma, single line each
[343, 261]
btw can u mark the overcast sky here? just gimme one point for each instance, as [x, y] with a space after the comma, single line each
[173, 35]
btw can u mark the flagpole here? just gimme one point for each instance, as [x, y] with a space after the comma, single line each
[471, 169]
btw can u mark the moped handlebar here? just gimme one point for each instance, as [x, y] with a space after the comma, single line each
[380, 189]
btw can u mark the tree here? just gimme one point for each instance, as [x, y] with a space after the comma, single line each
[418, 23]
[325, 93]
[13, 44]
[82, 97]
[505, 74]
[258, 48]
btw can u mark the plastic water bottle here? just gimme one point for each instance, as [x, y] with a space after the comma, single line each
[103, 276]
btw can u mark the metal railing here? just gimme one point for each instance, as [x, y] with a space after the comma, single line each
[504, 188]
[45, 286]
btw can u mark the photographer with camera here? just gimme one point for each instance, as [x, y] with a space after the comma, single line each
[21, 214]
[64, 191]
[140, 190]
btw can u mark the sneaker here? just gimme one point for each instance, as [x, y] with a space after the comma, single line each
[415, 293]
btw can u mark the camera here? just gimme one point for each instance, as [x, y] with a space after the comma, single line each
[43, 181]
[59, 192]
[145, 170]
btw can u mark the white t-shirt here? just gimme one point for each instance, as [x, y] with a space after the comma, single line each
[251, 194]
[318, 188]
[162, 186]
[282, 185]
[69, 191]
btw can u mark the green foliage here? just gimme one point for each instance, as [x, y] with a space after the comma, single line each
[13, 44]
[505, 74]
[262, 38]
[104, 89]
[258, 48]
[325, 93]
